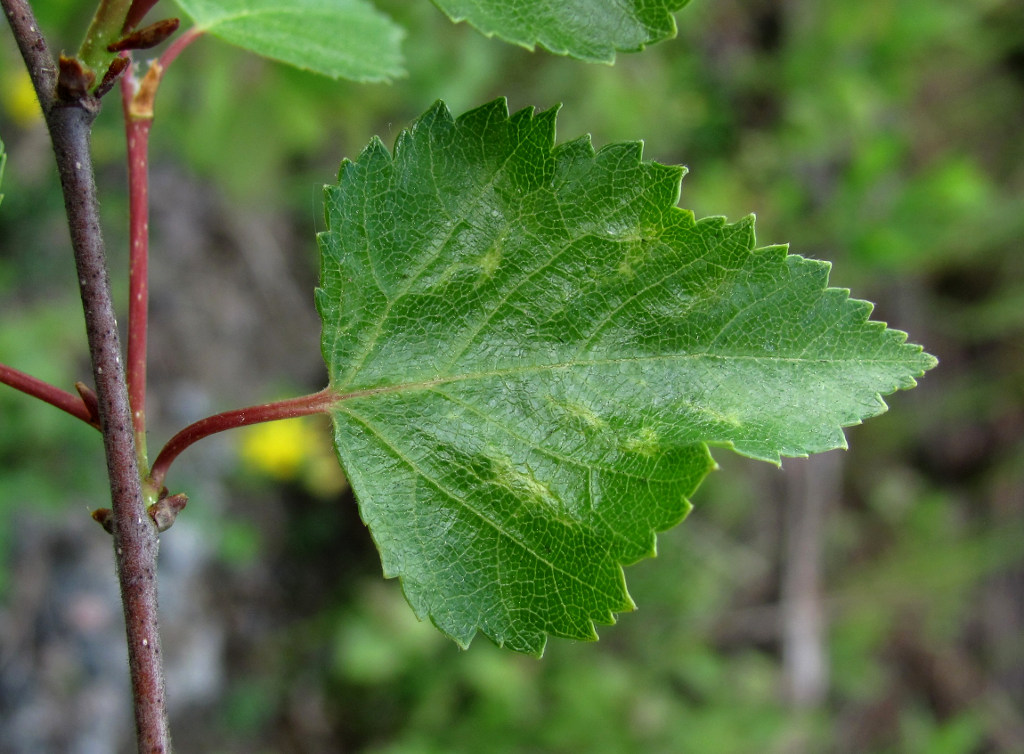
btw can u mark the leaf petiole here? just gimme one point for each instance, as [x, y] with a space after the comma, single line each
[315, 403]
[178, 45]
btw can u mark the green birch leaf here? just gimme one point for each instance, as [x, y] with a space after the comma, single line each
[348, 39]
[592, 30]
[532, 348]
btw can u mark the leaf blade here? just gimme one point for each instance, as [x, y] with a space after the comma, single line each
[533, 347]
[584, 29]
[338, 38]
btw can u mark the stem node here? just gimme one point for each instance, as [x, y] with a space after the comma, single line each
[166, 510]
[91, 402]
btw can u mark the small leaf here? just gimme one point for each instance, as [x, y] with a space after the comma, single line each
[592, 30]
[117, 68]
[339, 38]
[73, 80]
[147, 37]
[533, 347]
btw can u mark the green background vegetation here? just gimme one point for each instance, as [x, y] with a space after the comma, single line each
[884, 137]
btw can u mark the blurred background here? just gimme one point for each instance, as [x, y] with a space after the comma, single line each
[862, 601]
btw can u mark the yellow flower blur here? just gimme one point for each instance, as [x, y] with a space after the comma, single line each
[293, 450]
[19, 98]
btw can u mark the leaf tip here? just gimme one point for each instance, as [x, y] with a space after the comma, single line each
[437, 113]
[375, 150]
[438, 109]
[496, 109]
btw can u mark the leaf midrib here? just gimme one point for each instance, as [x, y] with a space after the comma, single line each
[516, 371]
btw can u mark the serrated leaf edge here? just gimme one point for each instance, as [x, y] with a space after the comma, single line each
[210, 26]
[376, 150]
[550, 46]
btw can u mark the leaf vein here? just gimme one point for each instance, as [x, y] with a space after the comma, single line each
[461, 501]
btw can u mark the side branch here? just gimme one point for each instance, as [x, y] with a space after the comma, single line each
[137, 128]
[317, 403]
[44, 391]
[106, 27]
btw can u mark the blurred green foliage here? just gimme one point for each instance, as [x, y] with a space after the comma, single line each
[882, 136]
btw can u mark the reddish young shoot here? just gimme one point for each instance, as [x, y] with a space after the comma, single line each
[137, 97]
[138, 123]
[44, 391]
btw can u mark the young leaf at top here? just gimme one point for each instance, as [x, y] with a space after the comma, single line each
[532, 348]
[339, 38]
[592, 30]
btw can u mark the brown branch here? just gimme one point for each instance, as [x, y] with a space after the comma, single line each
[42, 68]
[135, 537]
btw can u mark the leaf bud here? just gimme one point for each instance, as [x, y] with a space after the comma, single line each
[165, 510]
[147, 36]
[73, 80]
[105, 518]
